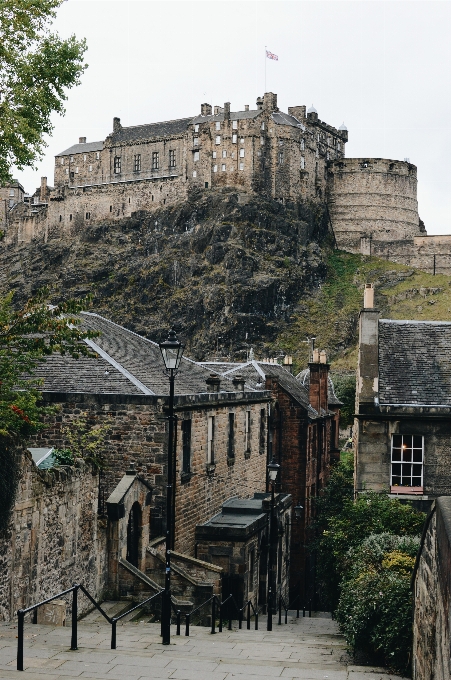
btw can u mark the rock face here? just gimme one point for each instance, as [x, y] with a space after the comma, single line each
[224, 268]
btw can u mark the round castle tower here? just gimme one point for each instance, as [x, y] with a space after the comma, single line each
[372, 200]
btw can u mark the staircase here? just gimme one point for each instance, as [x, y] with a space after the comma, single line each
[304, 649]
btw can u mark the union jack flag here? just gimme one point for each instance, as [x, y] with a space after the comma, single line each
[270, 55]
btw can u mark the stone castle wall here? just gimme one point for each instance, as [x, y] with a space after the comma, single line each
[55, 538]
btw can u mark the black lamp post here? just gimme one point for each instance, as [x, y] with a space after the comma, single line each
[171, 351]
[273, 469]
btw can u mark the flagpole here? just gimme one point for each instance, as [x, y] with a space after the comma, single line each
[265, 69]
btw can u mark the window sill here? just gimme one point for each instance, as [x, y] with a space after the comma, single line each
[210, 468]
[247, 454]
[407, 490]
[230, 460]
[185, 477]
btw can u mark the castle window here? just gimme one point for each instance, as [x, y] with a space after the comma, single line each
[196, 141]
[137, 162]
[61, 218]
[117, 165]
[280, 157]
[186, 445]
[407, 454]
[317, 137]
[234, 125]
[262, 140]
[98, 155]
[224, 153]
[90, 168]
[218, 139]
[215, 168]
[262, 430]
[172, 158]
[84, 157]
[196, 127]
[327, 156]
[196, 156]
[242, 140]
[263, 125]
[67, 171]
[11, 192]
[223, 167]
[111, 208]
[11, 202]
[302, 163]
[76, 169]
[247, 431]
[234, 139]
[71, 159]
[70, 218]
[241, 153]
[302, 144]
[241, 166]
[218, 125]
[194, 173]
[88, 215]
[231, 442]
[214, 154]
[211, 440]
[338, 146]
[62, 161]
[334, 141]
[155, 160]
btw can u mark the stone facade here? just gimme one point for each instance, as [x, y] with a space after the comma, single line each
[11, 195]
[432, 597]
[55, 538]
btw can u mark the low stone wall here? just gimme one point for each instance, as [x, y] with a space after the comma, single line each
[54, 539]
[432, 597]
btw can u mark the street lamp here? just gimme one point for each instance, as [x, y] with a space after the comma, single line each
[298, 511]
[273, 470]
[171, 351]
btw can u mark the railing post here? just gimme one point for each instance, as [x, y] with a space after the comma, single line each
[230, 622]
[178, 621]
[113, 634]
[280, 611]
[220, 617]
[73, 641]
[249, 615]
[240, 618]
[20, 624]
[303, 610]
[213, 615]
[310, 609]
[269, 610]
[187, 625]
[297, 612]
[286, 614]
[256, 621]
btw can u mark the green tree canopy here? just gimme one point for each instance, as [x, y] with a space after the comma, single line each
[36, 69]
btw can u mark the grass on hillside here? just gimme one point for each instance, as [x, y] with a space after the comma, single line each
[331, 315]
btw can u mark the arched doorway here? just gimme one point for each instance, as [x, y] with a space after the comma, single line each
[134, 534]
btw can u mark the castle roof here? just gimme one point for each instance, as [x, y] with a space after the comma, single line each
[82, 148]
[234, 115]
[312, 109]
[343, 127]
[281, 118]
[167, 128]
[414, 362]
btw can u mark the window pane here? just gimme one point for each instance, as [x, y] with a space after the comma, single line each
[396, 469]
[396, 454]
[407, 455]
[416, 470]
[407, 440]
[416, 481]
[417, 455]
[397, 440]
[418, 442]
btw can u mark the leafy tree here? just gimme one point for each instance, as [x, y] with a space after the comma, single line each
[36, 69]
[84, 440]
[344, 384]
[26, 337]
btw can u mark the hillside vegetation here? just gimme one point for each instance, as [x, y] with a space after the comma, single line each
[230, 271]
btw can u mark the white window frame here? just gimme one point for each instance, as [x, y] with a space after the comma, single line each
[196, 127]
[90, 168]
[302, 163]
[223, 167]
[234, 125]
[241, 153]
[217, 125]
[218, 139]
[215, 168]
[262, 140]
[241, 166]
[98, 155]
[214, 154]
[11, 192]
[263, 125]
[224, 153]
[196, 156]
[76, 170]
[302, 144]
[234, 139]
[403, 448]
[247, 431]
[210, 440]
[196, 141]
[62, 161]
[67, 171]
[194, 173]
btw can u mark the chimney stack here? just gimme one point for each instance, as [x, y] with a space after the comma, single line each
[117, 124]
[205, 109]
[259, 103]
[43, 192]
[213, 383]
[368, 296]
[227, 111]
[238, 382]
[82, 140]
[246, 107]
[319, 377]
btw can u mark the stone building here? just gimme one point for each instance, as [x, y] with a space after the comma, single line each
[403, 407]
[303, 439]
[220, 450]
[11, 195]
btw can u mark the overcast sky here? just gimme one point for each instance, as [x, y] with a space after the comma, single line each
[381, 67]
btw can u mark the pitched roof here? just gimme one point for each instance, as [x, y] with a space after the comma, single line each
[166, 128]
[281, 118]
[234, 115]
[82, 148]
[332, 399]
[415, 362]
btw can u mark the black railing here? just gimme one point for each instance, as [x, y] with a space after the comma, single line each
[217, 606]
[73, 643]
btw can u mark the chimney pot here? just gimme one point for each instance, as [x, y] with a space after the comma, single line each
[246, 107]
[315, 358]
[322, 357]
[43, 191]
[238, 382]
[259, 103]
[368, 296]
[227, 111]
[82, 140]
[205, 109]
[216, 110]
[116, 124]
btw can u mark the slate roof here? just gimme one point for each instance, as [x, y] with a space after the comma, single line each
[234, 115]
[167, 128]
[281, 118]
[220, 367]
[82, 148]
[415, 362]
[332, 399]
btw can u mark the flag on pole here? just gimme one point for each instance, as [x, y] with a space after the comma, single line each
[270, 55]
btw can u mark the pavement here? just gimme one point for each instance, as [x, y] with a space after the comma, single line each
[303, 649]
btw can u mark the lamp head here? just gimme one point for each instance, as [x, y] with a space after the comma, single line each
[298, 511]
[273, 469]
[171, 351]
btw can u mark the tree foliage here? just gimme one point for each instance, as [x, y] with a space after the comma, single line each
[84, 440]
[36, 69]
[344, 384]
[26, 337]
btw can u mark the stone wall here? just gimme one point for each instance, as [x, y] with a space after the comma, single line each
[55, 538]
[432, 597]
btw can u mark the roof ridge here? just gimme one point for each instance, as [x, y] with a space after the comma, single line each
[119, 367]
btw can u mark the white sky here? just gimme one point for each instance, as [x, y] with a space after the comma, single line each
[381, 67]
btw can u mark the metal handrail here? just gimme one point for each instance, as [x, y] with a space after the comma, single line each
[115, 619]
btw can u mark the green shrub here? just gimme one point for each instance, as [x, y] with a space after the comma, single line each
[344, 384]
[63, 456]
